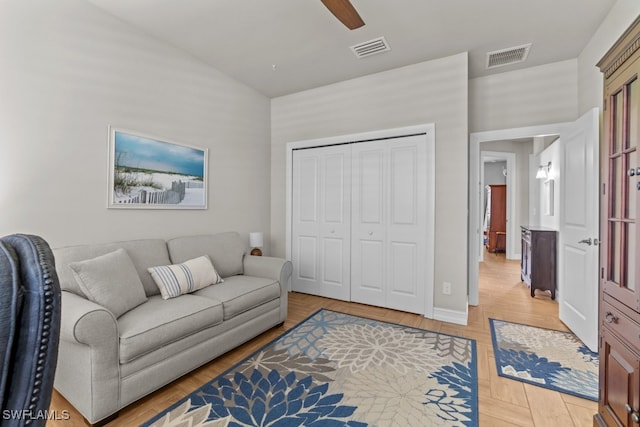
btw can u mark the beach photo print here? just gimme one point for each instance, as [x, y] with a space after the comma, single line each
[151, 173]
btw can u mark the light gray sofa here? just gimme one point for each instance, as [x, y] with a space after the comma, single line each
[105, 363]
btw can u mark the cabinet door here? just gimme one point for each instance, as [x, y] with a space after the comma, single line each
[621, 184]
[619, 386]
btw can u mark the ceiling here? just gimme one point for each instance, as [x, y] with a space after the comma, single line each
[280, 47]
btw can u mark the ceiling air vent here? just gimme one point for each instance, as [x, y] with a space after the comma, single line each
[512, 55]
[371, 47]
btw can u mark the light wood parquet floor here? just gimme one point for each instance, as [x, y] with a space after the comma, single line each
[502, 402]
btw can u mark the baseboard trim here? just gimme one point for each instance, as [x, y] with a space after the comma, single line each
[451, 316]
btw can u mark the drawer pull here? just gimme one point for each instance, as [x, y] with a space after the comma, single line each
[610, 318]
[634, 414]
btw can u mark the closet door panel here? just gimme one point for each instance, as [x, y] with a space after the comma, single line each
[307, 257]
[305, 240]
[370, 184]
[368, 226]
[389, 214]
[406, 230]
[403, 186]
[371, 273]
[335, 227]
[403, 273]
[321, 221]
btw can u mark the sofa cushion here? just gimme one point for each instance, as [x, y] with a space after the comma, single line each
[226, 251]
[144, 253]
[178, 279]
[110, 280]
[242, 293]
[159, 322]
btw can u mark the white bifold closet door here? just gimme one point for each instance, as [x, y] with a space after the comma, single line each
[359, 222]
[388, 223]
[322, 221]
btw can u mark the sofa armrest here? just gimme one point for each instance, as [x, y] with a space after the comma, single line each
[86, 322]
[273, 268]
[88, 371]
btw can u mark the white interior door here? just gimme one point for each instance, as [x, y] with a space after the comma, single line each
[578, 254]
[389, 223]
[321, 221]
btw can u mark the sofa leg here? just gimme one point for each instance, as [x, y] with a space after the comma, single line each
[101, 422]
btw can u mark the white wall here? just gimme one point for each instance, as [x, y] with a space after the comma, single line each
[429, 92]
[534, 96]
[493, 173]
[68, 71]
[622, 14]
[551, 154]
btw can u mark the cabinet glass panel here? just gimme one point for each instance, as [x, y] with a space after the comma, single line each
[615, 241]
[617, 180]
[618, 122]
[633, 115]
[632, 192]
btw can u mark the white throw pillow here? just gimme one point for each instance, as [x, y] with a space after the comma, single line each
[175, 280]
[110, 280]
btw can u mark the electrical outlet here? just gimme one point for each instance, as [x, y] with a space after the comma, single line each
[446, 288]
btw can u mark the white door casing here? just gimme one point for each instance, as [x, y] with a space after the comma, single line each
[321, 219]
[579, 229]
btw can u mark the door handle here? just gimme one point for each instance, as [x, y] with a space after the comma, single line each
[587, 241]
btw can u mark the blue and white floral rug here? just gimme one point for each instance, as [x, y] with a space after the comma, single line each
[552, 359]
[335, 369]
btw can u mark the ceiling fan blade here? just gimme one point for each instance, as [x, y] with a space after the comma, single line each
[345, 12]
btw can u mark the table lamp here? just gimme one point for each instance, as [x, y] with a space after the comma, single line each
[256, 242]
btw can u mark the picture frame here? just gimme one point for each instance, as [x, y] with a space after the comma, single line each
[149, 172]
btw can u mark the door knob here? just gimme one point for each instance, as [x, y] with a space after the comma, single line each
[587, 241]
[371, 233]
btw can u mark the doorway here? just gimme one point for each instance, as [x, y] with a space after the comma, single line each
[476, 192]
[576, 155]
[504, 173]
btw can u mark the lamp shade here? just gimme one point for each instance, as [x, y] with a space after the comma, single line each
[256, 239]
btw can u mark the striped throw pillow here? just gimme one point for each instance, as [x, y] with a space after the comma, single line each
[178, 279]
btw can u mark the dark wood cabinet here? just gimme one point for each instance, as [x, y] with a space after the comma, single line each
[619, 317]
[538, 259]
[619, 365]
[497, 221]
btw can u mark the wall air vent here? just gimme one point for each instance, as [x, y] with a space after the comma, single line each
[371, 47]
[512, 55]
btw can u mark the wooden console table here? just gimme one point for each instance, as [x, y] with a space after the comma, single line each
[538, 259]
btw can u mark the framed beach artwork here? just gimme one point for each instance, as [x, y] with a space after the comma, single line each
[146, 172]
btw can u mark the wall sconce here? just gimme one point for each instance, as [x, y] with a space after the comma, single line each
[543, 171]
[256, 242]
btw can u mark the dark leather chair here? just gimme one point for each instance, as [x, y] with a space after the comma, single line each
[29, 329]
